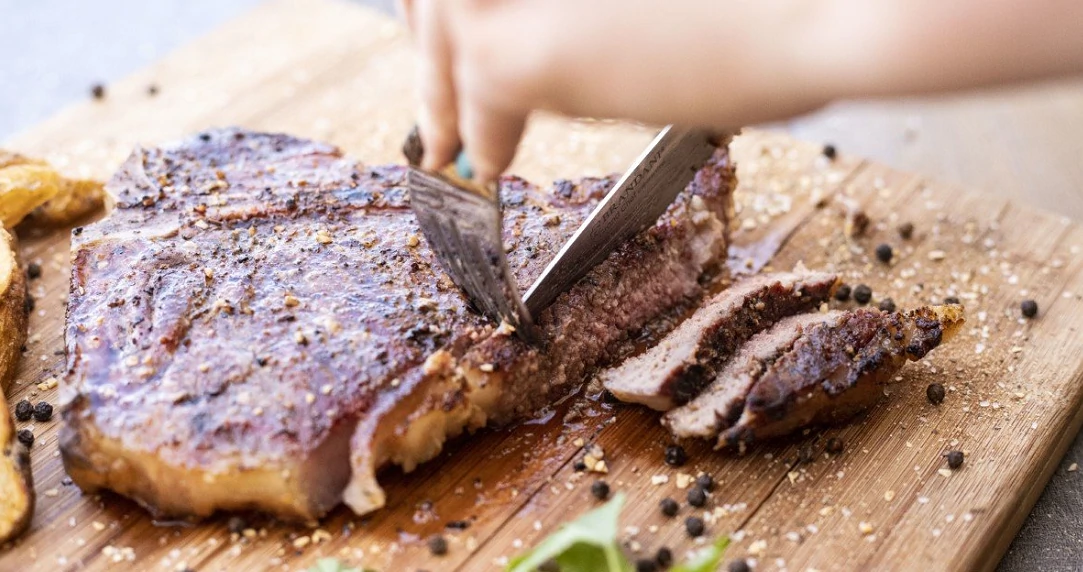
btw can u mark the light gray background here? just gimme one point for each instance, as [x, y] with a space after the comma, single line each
[52, 51]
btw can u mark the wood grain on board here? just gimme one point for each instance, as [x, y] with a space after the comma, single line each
[336, 72]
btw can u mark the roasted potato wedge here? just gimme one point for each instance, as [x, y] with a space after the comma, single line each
[32, 189]
[16, 484]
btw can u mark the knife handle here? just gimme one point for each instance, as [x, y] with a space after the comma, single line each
[414, 150]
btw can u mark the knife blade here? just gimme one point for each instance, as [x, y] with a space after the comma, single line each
[640, 196]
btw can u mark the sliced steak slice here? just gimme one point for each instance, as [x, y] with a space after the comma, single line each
[678, 367]
[259, 324]
[839, 368]
[720, 404]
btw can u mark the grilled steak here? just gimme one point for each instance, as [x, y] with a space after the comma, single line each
[838, 368]
[259, 324]
[722, 401]
[678, 367]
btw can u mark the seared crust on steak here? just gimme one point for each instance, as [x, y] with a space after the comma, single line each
[259, 323]
[839, 368]
[16, 484]
[721, 403]
[677, 368]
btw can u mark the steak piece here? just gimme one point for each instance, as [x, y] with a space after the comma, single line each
[838, 368]
[677, 368]
[721, 403]
[259, 324]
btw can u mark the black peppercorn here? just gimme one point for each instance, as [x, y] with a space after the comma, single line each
[646, 565]
[935, 393]
[705, 482]
[152, 90]
[834, 446]
[26, 437]
[955, 459]
[694, 526]
[862, 294]
[98, 91]
[696, 497]
[24, 410]
[236, 524]
[830, 152]
[33, 271]
[600, 489]
[951, 300]
[1029, 308]
[438, 545]
[843, 293]
[43, 412]
[887, 305]
[664, 557]
[738, 566]
[805, 454]
[676, 456]
[579, 466]
[906, 230]
[884, 253]
[669, 506]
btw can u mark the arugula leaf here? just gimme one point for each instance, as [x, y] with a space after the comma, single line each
[707, 559]
[587, 544]
[331, 565]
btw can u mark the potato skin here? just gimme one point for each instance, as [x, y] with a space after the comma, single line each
[16, 484]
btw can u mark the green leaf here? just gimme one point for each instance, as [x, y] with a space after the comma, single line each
[587, 544]
[331, 565]
[707, 559]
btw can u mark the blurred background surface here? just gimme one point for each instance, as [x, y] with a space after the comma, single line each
[1025, 143]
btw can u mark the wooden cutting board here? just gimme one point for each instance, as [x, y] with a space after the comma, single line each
[333, 71]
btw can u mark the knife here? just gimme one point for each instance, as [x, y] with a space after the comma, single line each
[462, 222]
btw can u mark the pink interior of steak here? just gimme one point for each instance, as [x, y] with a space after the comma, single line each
[257, 299]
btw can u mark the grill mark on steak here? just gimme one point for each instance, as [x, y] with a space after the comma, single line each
[838, 368]
[676, 369]
[720, 404]
[258, 324]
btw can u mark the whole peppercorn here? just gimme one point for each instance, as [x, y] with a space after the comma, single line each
[1029, 308]
[24, 410]
[935, 393]
[437, 545]
[694, 526]
[579, 466]
[98, 91]
[26, 437]
[33, 271]
[152, 90]
[43, 412]
[705, 482]
[664, 557]
[951, 300]
[834, 446]
[830, 152]
[646, 565]
[669, 506]
[862, 294]
[843, 293]
[906, 230]
[955, 459]
[600, 489]
[887, 305]
[884, 253]
[236, 524]
[738, 566]
[805, 454]
[676, 456]
[696, 497]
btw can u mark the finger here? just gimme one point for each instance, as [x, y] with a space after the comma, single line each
[405, 9]
[491, 136]
[438, 120]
